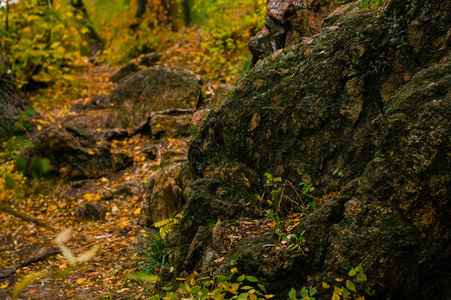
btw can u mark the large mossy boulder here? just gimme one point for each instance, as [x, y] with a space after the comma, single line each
[370, 96]
[153, 89]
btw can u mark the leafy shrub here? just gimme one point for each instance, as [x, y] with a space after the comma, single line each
[41, 41]
[227, 34]
[219, 287]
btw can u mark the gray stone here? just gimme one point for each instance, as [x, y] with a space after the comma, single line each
[90, 211]
[153, 89]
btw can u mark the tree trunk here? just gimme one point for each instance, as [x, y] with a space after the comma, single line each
[95, 44]
[13, 101]
[186, 13]
[141, 8]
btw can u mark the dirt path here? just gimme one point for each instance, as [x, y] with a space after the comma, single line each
[55, 201]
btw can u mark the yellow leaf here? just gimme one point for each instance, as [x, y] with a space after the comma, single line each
[180, 279]
[90, 152]
[89, 196]
[219, 259]
[325, 285]
[80, 281]
[309, 278]
[335, 296]
[338, 290]
[193, 282]
[137, 211]
[4, 286]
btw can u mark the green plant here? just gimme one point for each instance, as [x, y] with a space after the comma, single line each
[274, 217]
[194, 130]
[37, 166]
[298, 241]
[356, 276]
[155, 253]
[306, 188]
[276, 191]
[306, 294]
[23, 121]
[217, 288]
[338, 172]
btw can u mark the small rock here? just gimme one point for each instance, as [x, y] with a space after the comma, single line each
[108, 195]
[90, 211]
[130, 188]
[150, 59]
[124, 72]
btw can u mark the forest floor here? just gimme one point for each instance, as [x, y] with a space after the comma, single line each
[54, 202]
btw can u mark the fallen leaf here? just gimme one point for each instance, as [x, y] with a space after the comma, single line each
[4, 286]
[219, 259]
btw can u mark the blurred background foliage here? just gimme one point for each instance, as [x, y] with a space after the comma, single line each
[47, 40]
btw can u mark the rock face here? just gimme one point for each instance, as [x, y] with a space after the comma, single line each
[152, 89]
[13, 101]
[371, 96]
[164, 197]
[287, 21]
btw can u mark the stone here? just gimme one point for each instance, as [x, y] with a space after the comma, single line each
[149, 59]
[171, 126]
[124, 72]
[219, 96]
[90, 211]
[130, 188]
[163, 197]
[287, 21]
[153, 89]
[199, 117]
[73, 153]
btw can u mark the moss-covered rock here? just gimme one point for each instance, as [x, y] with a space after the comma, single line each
[371, 96]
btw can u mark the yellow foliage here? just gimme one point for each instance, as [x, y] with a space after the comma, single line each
[40, 42]
[166, 225]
